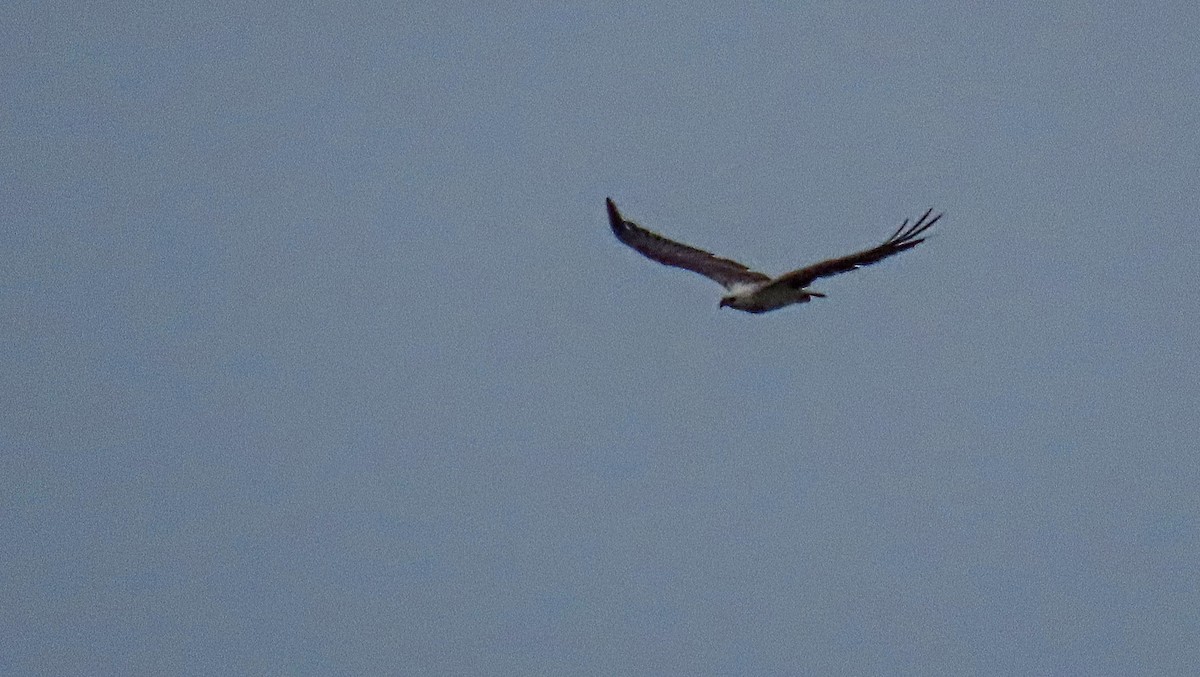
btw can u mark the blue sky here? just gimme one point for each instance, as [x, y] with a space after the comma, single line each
[319, 358]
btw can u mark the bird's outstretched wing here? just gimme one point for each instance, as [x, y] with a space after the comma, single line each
[905, 237]
[668, 252]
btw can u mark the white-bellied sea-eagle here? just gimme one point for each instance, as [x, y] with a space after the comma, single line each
[750, 290]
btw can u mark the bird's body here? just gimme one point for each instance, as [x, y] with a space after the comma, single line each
[765, 298]
[752, 291]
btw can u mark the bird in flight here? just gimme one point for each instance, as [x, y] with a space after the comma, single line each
[750, 290]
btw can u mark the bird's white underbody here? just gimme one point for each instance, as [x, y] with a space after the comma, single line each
[755, 299]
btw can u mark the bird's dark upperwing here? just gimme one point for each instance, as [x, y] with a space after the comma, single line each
[905, 237]
[668, 252]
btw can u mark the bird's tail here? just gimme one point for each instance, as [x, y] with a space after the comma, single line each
[814, 293]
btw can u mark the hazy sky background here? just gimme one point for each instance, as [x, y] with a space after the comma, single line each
[318, 356]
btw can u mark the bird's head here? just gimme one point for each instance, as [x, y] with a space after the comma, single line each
[726, 301]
